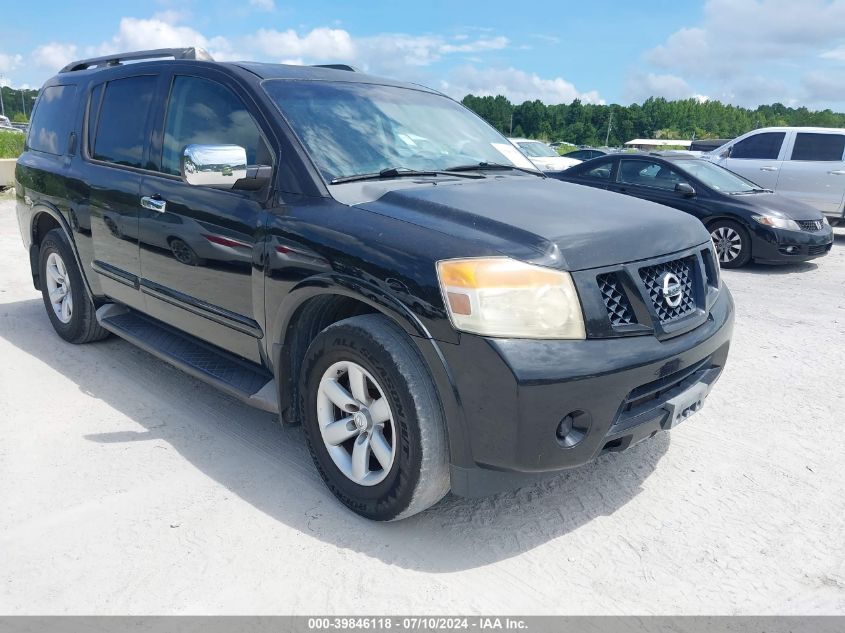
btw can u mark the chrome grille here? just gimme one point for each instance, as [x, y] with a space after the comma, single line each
[653, 278]
[810, 225]
[619, 309]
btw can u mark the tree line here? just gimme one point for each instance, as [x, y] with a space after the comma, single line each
[15, 101]
[587, 124]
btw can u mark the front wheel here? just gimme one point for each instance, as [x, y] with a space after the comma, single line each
[733, 244]
[373, 420]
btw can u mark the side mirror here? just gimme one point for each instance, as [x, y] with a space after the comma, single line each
[214, 165]
[726, 153]
[685, 189]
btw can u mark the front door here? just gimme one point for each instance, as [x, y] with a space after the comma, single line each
[758, 157]
[647, 179]
[199, 245]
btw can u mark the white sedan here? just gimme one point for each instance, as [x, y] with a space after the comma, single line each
[543, 156]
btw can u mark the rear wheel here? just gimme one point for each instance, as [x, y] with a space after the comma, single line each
[733, 244]
[69, 308]
[373, 420]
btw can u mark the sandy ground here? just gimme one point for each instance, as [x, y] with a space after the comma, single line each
[129, 487]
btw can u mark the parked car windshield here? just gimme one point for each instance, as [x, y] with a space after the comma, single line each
[354, 128]
[718, 178]
[536, 149]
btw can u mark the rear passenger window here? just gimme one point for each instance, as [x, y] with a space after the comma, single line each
[53, 120]
[122, 120]
[763, 146]
[205, 112]
[825, 147]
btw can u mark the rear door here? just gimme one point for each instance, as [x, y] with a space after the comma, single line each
[117, 131]
[758, 157]
[815, 171]
[200, 246]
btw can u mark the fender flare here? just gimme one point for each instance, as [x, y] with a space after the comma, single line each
[38, 209]
[429, 348]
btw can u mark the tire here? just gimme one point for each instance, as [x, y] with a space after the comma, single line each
[727, 235]
[78, 323]
[417, 475]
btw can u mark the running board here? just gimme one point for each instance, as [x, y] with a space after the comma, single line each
[239, 378]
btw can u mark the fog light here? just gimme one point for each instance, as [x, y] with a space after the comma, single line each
[790, 249]
[573, 428]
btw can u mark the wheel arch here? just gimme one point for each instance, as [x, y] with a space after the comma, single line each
[45, 218]
[321, 301]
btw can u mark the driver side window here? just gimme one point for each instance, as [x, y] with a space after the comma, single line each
[648, 173]
[205, 112]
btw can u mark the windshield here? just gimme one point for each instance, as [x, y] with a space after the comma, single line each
[536, 149]
[718, 178]
[351, 129]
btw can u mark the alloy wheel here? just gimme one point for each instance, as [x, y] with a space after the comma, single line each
[356, 423]
[728, 243]
[58, 288]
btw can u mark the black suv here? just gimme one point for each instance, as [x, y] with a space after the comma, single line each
[371, 260]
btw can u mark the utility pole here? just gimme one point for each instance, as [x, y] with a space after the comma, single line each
[23, 104]
[609, 125]
[2, 109]
[511, 132]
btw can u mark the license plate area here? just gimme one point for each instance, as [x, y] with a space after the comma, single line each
[685, 404]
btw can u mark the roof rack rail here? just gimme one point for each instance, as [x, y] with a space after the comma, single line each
[113, 60]
[351, 69]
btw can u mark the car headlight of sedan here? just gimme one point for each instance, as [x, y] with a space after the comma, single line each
[777, 222]
[825, 221]
[499, 296]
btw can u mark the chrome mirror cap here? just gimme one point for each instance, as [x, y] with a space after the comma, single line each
[213, 165]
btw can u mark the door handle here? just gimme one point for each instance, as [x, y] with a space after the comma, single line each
[154, 203]
[837, 172]
[768, 168]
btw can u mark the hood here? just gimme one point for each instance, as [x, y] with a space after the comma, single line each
[543, 221]
[776, 204]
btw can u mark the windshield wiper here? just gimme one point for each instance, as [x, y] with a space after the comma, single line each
[755, 190]
[483, 165]
[399, 172]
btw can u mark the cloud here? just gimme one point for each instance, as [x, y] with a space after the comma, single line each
[750, 51]
[642, 86]
[54, 55]
[320, 44]
[263, 5]
[9, 62]
[161, 31]
[517, 85]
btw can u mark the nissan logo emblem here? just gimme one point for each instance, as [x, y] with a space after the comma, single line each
[673, 293]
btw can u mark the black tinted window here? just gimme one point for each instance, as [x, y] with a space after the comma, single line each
[599, 172]
[93, 112]
[648, 174]
[809, 146]
[207, 113]
[53, 120]
[122, 120]
[765, 146]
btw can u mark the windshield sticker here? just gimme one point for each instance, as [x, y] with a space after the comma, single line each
[513, 155]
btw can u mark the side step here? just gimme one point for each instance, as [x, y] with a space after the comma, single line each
[239, 378]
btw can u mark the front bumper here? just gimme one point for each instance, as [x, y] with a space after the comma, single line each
[782, 246]
[616, 392]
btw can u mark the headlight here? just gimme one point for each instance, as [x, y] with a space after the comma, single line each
[825, 221]
[777, 222]
[504, 297]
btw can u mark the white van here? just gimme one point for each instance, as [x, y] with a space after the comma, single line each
[805, 163]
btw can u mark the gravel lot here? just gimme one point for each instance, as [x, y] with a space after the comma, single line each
[129, 487]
